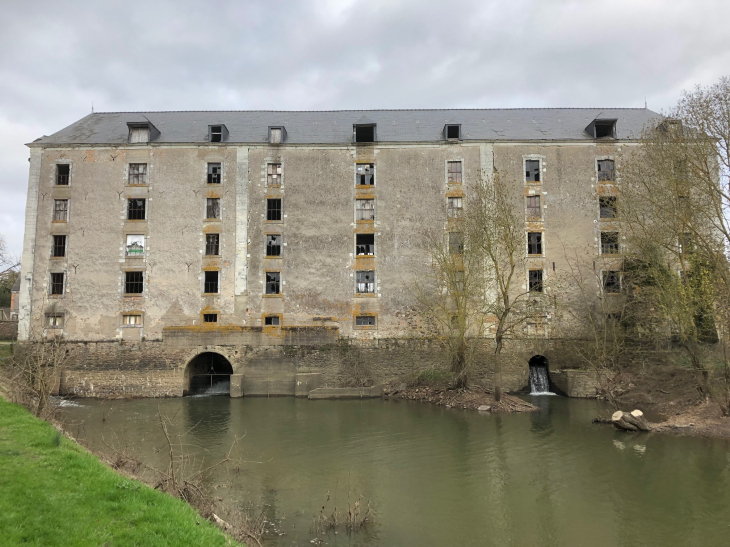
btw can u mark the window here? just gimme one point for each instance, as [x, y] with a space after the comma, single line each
[135, 245]
[57, 283]
[456, 243]
[59, 246]
[534, 243]
[271, 321]
[453, 172]
[364, 210]
[273, 174]
[364, 133]
[136, 209]
[211, 282]
[609, 243]
[132, 320]
[685, 243]
[212, 244]
[608, 206]
[139, 133]
[214, 173]
[454, 208]
[133, 282]
[365, 282]
[532, 170]
[535, 280]
[216, 133]
[137, 173]
[533, 207]
[60, 210]
[63, 174]
[365, 174]
[275, 135]
[606, 171]
[459, 282]
[604, 128]
[612, 281]
[365, 321]
[273, 280]
[273, 245]
[54, 321]
[452, 131]
[273, 209]
[210, 318]
[365, 244]
[213, 208]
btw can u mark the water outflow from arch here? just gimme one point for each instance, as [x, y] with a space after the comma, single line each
[539, 378]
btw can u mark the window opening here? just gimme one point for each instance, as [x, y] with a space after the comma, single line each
[135, 245]
[534, 243]
[608, 206]
[365, 321]
[535, 281]
[365, 281]
[606, 171]
[275, 135]
[213, 208]
[60, 210]
[214, 173]
[273, 209]
[453, 131]
[364, 210]
[533, 207]
[132, 320]
[456, 243]
[136, 209]
[54, 321]
[612, 281]
[685, 243]
[273, 280]
[133, 282]
[532, 170]
[365, 133]
[59, 246]
[273, 245]
[211, 282]
[210, 318]
[212, 244]
[139, 134]
[63, 174]
[216, 133]
[605, 128]
[137, 173]
[365, 174]
[271, 321]
[57, 283]
[453, 172]
[273, 174]
[365, 244]
[454, 209]
[609, 243]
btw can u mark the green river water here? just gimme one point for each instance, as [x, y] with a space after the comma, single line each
[436, 476]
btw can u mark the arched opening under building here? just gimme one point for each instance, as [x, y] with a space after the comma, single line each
[208, 373]
[539, 376]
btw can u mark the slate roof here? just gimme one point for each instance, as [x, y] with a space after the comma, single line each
[335, 127]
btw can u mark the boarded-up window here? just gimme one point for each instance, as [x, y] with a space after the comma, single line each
[60, 210]
[364, 210]
[273, 174]
[132, 320]
[275, 135]
[453, 172]
[139, 134]
[213, 208]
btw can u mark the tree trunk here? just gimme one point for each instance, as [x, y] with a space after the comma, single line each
[630, 421]
[498, 369]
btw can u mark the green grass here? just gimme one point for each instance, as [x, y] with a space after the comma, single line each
[5, 349]
[53, 492]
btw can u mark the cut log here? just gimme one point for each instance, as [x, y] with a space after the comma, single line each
[636, 417]
[630, 421]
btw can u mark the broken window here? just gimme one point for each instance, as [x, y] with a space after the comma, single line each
[535, 281]
[532, 170]
[609, 243]
[59, 246]
[685, 243]
[456, 243]
[212, 244]
[608, 206]
[54, 321]
[273, 174]
[604, 128]
[213, 208]
[63, 174]
[211, 282]
[210, 318]
[534, 243]
[364, 210]
[136, 208]
[137, 173]
[533, 207]
[273, 280]
[454, 208]
[612, 281]
[216, 133]
[60, 210]
[365, 281]
[273, 209]
[365, 321]
[133, 282]
[271, 321]
[57, 283]
[135, 245]
[365, 244]
[275, 135]
[365, 174]
[214, 173]
[453, 131]
[453, 172]
[132, 320]
[273, 245]
[364, 133]
[606, 171]
[139, 134]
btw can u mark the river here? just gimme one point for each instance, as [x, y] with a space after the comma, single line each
[436, 476]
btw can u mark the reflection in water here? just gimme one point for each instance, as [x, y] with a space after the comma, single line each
[440, 477]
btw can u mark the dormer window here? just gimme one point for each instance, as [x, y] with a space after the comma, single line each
[277, 135]
[217, 133]
[452, 132]
[364, 133]
[601, 128]
[142, 132]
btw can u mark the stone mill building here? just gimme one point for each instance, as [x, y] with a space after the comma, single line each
[262, 245]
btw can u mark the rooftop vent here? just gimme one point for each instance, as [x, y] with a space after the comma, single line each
[452, 132]
[601, 128]
[217, 133]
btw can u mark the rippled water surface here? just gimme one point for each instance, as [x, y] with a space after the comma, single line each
[439, 477]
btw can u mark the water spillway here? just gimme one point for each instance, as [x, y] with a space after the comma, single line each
[539, 381]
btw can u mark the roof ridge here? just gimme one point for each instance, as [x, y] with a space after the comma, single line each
[378, 110]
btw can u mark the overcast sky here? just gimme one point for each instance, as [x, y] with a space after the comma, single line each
[56, 58]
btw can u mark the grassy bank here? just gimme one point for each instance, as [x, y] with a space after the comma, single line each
[53, 492]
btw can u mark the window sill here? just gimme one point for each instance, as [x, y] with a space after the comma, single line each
[136, 220]
[211, 294]
[61, 185]
[365, 295]
[56, 295]
[536, 256]
[454, 183]
[356, 327]
[134, 257]
[145, 185]
[271, 295]
[272, 256]
[273, 185]
[211, 220]
[211, 256]
[533, 182]
[58, 257]
[59, 221]
[133, 296]
[274, 222]
[131, 326]
[368, 222]
[364, 186]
